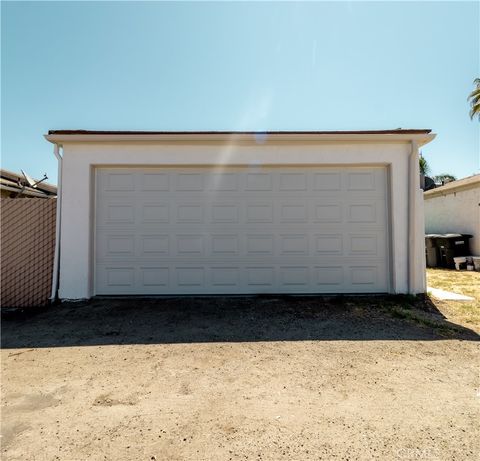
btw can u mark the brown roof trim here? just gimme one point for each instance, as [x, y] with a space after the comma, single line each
[94, 132]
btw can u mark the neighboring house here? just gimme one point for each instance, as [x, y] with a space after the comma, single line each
[13, 185]
[455, 208]
[165, 213]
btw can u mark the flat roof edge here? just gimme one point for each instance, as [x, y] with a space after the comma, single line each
[196, 132]
[59, 136]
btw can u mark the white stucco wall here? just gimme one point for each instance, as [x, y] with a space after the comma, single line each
[455, 211]
[81, 158]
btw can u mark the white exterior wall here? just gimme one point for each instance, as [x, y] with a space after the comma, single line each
[80, 159]
[455, 211]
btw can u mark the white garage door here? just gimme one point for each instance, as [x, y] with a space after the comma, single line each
[241, 230]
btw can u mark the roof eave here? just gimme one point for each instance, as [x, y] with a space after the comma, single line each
[421, 138]
[28, 192]
[471, 182]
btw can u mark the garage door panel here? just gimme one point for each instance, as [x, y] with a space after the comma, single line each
[190, 245]
[117, 181]
[155, 277]
[293, 182]
[117, 212]
[225, 277]
[244, 246]
[327, 181]
[154, 182]
[190, 182]
[294, 276]
[120, 245]
[203, 279]
[224, 245]
[225, 212]
[154, 245]
[259, 212]
[118, 277]
[293, 244]
[153, 212]
[327, 211]
[366, 244]
[294, 212]
[327, 244]
[261, 276]
[241, 230]
[191, 277]
[277, 180]
[223, 182]
[190, 213]
[260, 244]
[364, 277]
[361, 181]
[329, 278]
[307, 211]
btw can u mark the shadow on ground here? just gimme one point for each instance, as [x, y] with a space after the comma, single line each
[215, 319]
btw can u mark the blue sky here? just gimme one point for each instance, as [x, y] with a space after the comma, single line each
[239, 66]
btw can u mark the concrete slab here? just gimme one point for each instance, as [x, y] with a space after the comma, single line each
[448, 295]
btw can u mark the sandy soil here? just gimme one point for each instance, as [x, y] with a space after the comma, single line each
[238, 379]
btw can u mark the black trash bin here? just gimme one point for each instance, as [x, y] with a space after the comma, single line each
[432, 253]
[451, 245]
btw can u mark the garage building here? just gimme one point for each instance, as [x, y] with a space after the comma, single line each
[188, 213]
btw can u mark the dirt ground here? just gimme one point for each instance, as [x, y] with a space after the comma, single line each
[239, 379]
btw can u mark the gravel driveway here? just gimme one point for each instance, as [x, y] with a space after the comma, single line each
[240, 378]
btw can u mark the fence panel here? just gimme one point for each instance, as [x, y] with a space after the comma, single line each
[26, 250]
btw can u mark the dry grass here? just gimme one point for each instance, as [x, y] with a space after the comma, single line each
[460, 282]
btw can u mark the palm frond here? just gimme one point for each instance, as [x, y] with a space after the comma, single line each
[475, 110]
[424, 166]
[475, 94]
[474, 99]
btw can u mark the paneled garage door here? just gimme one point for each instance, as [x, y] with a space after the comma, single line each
[241, 230]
